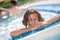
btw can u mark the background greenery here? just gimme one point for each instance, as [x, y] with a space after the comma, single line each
[6, 3]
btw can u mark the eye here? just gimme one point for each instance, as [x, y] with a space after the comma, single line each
[30, 19]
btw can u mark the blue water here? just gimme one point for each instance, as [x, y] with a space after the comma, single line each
[47, 7]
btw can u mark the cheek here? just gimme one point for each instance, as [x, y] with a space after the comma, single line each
[31, 23]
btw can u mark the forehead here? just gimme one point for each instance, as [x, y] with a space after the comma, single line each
[33, 16]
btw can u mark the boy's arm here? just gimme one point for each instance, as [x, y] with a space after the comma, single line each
[19, 32]
[55, 18]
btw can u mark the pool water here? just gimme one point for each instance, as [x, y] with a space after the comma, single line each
[15, 22]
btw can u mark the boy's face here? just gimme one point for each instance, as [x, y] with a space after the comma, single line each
[33, 19]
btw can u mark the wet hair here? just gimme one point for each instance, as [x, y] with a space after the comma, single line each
[13, 2]
[28, 13]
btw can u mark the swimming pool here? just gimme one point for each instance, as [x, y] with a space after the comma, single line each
[47, 10]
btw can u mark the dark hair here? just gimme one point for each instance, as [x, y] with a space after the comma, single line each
[29, 12]
[13, 2]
